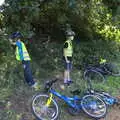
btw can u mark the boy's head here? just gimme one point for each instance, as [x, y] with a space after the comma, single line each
[16, 36]
[70, 35]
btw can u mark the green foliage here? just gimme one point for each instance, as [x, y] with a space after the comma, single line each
[1, 19]
[3, 42]
[45, 66]
[84, 52]
[97, 34]
[5, 93]
[52, 16]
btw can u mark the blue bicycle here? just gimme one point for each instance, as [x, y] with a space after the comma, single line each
[97, 73]
[45, 107]
[106, 97]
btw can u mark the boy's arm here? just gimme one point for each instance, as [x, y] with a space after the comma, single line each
[66, 46]
[66, 59]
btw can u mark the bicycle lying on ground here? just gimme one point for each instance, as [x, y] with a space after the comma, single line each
[45, 107]
[106, 97]
[97, 73]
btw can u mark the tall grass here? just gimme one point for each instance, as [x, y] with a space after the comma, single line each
[47, 63]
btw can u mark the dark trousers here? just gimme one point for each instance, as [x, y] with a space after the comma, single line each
[28, 73]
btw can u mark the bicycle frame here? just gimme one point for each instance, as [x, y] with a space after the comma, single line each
[75, 102]
[108, 99]
[89, 103]
[97, 69]
[69, 100]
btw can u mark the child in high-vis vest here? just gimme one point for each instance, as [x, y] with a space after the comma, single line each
[67, 56]
[22, 55]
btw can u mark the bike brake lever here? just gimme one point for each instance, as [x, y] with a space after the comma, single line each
[49, 83]
[55, 80]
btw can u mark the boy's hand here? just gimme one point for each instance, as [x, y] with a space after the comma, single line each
[67, 61]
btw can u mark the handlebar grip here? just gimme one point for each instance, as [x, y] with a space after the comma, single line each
[49, 84]
[55, 80]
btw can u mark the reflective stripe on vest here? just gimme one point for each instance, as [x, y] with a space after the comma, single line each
[25, 53]
[69, 50]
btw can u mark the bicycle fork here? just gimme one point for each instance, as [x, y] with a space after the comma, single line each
[49, 100]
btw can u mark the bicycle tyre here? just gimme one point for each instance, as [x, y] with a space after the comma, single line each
[94, 106]
[112, 69]
[40, 111]
[94, 76]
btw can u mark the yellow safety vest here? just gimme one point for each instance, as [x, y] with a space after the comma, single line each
[69, 50]
[26, 56]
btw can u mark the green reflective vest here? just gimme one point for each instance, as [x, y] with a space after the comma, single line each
[69, 50]
[26, 56]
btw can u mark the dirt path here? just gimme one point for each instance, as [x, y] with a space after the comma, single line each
[113, 113]
[21, 103]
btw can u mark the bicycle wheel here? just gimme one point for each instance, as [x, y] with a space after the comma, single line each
[93, 106]
[94, 76]
[43, 112]
[112, 69]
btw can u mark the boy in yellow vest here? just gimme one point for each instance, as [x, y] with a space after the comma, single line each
[67, 56]
[22, 55]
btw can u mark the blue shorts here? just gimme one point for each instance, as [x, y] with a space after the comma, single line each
[68, 66]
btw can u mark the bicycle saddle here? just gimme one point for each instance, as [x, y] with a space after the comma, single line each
[75, 92]
[49, 83]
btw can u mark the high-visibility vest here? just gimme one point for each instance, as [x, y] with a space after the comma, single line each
[69, 50]
[26, 56]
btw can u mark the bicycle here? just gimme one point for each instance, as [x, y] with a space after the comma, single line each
[45, 107]
[97, 73]
[106, 97]
[111, 69]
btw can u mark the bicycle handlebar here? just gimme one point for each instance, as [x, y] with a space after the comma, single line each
[49, 84]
